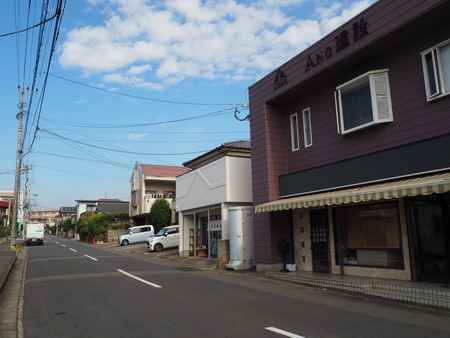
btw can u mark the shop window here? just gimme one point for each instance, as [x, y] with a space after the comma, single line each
[369, 235]
[363, 102]
[436, 69]
[307, 134]
[294, 132]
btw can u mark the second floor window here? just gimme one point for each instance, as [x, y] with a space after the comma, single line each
[436, 69]
[294, 132]
[307, 134]
[363, 101]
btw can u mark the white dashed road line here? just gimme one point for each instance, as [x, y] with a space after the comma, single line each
[284, 333]
[94, 259]
[140, 279]
[73, 250]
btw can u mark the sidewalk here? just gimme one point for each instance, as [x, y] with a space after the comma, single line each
[7, 259]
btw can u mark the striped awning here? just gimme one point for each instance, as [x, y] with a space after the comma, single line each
[424, 185]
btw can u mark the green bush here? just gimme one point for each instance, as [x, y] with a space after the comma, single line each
[5, 231]
[67, 224]
[90, 226]
[160, 213]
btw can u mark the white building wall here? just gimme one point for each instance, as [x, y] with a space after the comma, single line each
[203, 186]
[239, 180]
[224, 183]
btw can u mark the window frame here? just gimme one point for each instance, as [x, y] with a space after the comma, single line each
[378, 99]
[438, 71]
[307, 130]
[295, 141]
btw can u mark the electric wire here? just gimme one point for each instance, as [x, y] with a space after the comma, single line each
[123, 151]
[134, 125]
[140, 97]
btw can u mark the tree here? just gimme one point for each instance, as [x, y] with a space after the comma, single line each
[67, 224]
[160, 214]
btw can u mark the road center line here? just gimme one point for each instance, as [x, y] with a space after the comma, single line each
[73, 250]
[140, 279]
[63, 245]
[284, 333]
[94, 259]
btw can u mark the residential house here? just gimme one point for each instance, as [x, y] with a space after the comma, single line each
[219, 180]
[350, 148]
[101, 206]
[148, 183]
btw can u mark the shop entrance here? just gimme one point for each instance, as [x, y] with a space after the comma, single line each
[319, 240]
[430, 222]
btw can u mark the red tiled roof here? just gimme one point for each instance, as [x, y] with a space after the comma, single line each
[163, 170]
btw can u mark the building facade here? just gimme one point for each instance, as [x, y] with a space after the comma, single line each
[48, 217]
[148, 183]
[101, 206]
[219, 180]
[359, 185]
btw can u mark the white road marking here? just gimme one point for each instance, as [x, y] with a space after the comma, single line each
[284, 333]
[63, 245]
[140, 279]
[73, 250]
[94, 259]
[57, 242]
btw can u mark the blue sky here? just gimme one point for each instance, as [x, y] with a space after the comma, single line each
[155, 82]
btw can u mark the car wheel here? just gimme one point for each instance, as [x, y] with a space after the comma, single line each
[158, 247]
[124, 242]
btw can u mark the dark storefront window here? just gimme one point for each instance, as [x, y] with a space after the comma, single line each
[369, 235]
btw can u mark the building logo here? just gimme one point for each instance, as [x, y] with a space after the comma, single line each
[280, 79]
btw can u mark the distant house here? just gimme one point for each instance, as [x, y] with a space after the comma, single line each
[149, 182]
[48, 217]
[219, 180]
[65, 213]
[101, 206]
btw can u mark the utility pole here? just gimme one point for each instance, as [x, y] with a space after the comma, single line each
[26, 201]
[19, 116]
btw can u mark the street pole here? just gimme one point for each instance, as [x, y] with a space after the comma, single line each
[17, 177]
[18, 168]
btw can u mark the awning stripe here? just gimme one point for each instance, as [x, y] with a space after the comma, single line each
[425, 185]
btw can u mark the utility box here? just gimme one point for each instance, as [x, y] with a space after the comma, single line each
[241, 238]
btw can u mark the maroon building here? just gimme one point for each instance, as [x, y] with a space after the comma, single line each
[351, 148]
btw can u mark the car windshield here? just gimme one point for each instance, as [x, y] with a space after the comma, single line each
[128, 231]
[161, 232]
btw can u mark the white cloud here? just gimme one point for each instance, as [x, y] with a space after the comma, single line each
[154, 44]
[136, 136]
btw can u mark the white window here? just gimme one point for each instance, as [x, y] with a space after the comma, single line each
[436, 69]
[294, 132]
[307, 135]
[363, 101]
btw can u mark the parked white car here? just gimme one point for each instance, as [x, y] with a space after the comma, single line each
[137, 234]
[168, 237]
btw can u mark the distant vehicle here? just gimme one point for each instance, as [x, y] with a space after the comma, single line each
[34, 233]
[137, 234]
[168, 237]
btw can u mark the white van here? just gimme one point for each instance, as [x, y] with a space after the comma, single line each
[168, 237]
[137, 234]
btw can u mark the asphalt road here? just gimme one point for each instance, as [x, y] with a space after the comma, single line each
[74, 289]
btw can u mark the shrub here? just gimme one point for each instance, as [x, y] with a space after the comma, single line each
[160, 213]
[5, 231]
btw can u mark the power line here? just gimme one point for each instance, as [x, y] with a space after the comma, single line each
[28, 28]
[142, 97]
[191, 118]
[123, 151]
